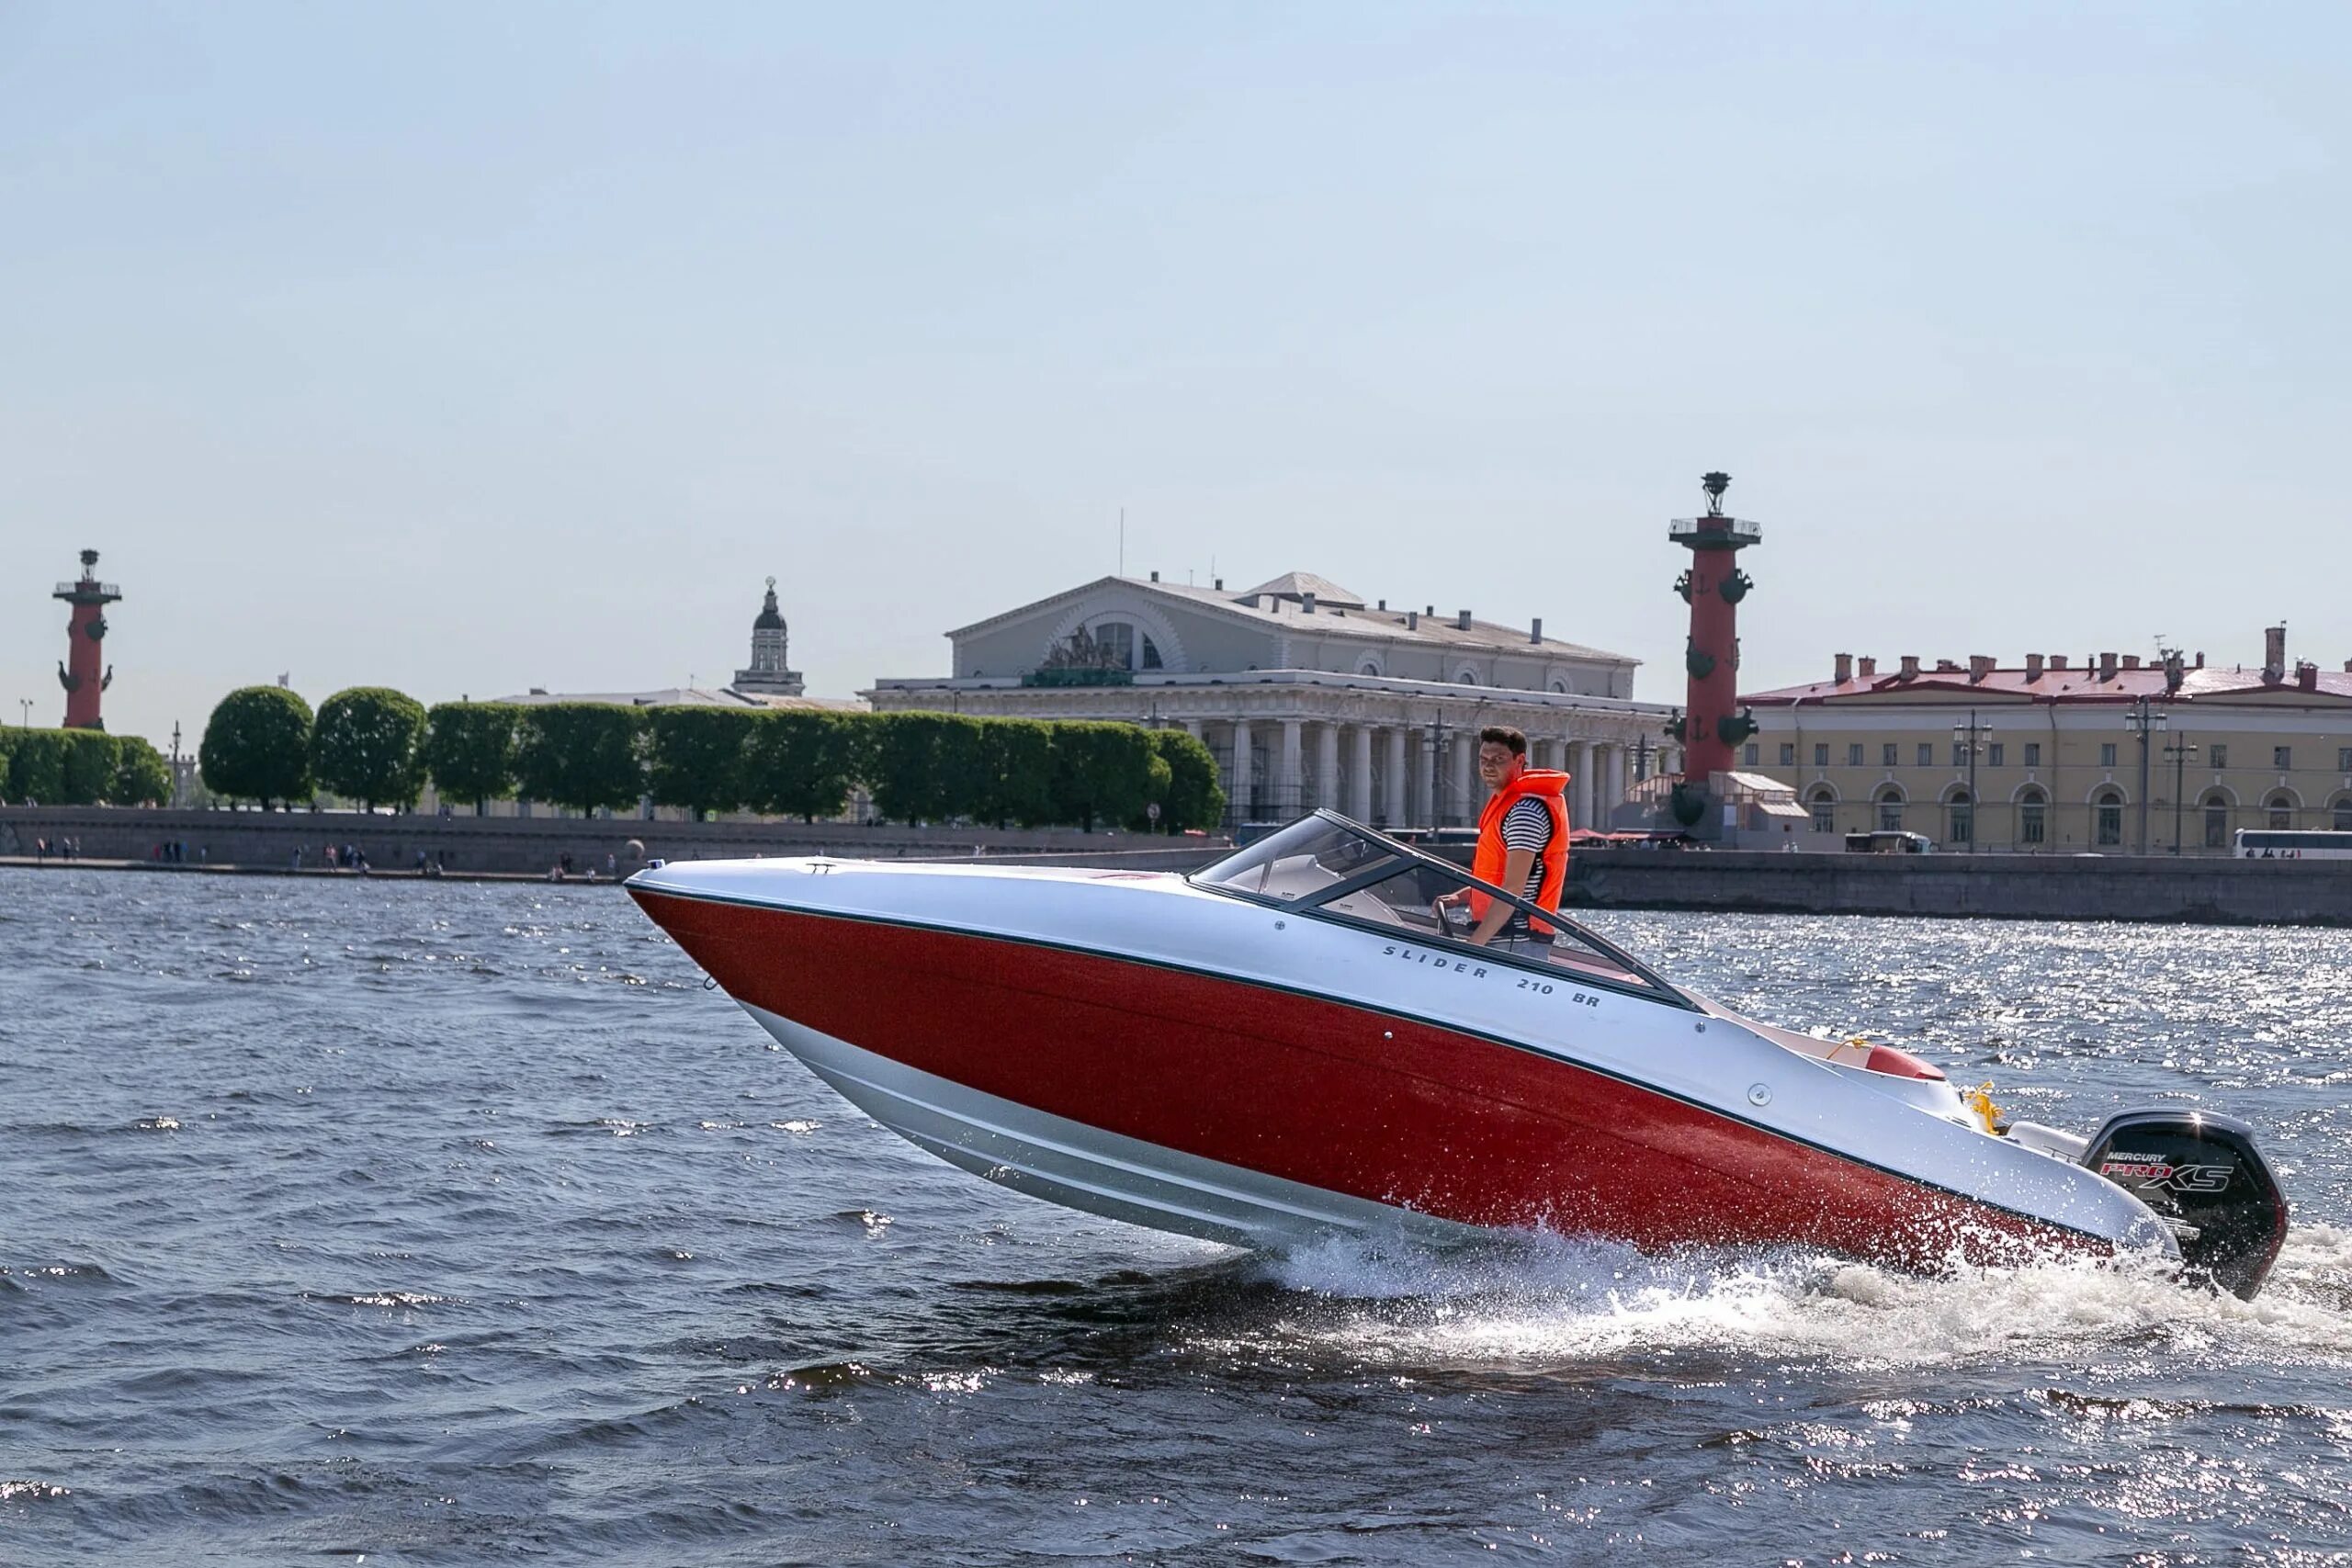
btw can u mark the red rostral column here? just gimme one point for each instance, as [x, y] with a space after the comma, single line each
[1711, 723]
[78, 671]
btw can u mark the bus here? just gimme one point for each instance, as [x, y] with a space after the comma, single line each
[1889, 841]
[2255, 843]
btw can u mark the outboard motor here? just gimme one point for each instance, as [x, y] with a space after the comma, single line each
[2204, 1177]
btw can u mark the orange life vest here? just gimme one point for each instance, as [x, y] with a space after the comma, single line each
[1487, 864]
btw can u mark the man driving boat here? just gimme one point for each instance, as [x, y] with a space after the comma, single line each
[1522, 839]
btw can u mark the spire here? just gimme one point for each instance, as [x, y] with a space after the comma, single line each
[771, 619]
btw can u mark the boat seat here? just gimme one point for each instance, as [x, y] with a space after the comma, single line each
[1898, 1064]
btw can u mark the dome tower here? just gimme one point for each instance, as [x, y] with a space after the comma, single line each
[769, 674]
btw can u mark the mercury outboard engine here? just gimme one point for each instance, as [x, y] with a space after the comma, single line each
[2204, 1177]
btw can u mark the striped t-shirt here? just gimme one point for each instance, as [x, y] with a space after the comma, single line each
[1528, 826]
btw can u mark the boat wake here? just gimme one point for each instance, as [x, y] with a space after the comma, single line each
[1538, 1303]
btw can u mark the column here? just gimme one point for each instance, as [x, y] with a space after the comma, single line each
[1613, 784]
[1465, 802]
[1424, 776]
[1395, 781]
[1236, 784]
[1360, 776]
[1581, 783]
[1289, 787]
[1326, 766]
[1192, 728]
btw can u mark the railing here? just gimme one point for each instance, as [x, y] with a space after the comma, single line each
[1087, 675]
[1732, 530]
[67, 589]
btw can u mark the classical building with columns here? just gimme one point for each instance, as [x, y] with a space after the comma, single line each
[1308, 696]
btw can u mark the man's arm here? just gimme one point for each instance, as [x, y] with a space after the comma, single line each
[1517, 866]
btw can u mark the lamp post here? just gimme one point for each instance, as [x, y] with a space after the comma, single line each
[1969, 735]
[2143, 722]
[24, 713]
[2179, 751]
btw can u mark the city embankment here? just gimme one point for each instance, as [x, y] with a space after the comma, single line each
[255, 842]
[2216, 891]
[2057, 887]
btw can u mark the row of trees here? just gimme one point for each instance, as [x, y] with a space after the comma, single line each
[81, 767]
[379, 747]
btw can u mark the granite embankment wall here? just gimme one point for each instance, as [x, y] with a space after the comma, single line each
[2058, 887]
[2061, 887]
[531, 845]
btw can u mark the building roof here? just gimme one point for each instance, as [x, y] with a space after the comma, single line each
[2073, 684]
[1299, 584]
[1756, 784]
[1340, 620]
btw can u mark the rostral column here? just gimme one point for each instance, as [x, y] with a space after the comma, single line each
[78, 671]
[1711, 723]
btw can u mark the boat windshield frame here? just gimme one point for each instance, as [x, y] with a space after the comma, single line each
[1392, 856]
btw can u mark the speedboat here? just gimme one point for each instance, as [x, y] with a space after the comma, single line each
[1301, 1039]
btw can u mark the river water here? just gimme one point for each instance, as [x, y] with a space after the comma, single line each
[455, 1224]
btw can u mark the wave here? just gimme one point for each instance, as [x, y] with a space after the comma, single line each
[1551, 1301]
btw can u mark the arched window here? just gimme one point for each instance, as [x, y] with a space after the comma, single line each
[1128, 646]
[1960, 819]
[1468, 677]
[2033, 818]
[2217, 821]
[1824, 803]
[2282, 812]
[2107, 812]
[1890, 810]
[1369, 667]
[1561, 687]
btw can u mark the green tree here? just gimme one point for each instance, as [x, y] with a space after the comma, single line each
[367, 745]
[90, 758]
[698, 758]
[802, 763]
[469, 751]
[1195, 797]
[7, 750]
[581, 755]
[962, 762]
[258, 746]
[61, 767]
[925, 767]
[1016, 773]
[142, 777]
[36, 766]
[1100, 772]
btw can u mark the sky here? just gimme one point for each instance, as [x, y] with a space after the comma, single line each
[466, 349]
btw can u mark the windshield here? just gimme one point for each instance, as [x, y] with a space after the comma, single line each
[1327, 866]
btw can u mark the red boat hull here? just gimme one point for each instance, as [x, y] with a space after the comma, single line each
[1394, 1109]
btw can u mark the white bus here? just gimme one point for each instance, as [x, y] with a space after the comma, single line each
[2256, 843]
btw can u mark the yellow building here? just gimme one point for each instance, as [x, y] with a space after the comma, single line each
[2059, 756]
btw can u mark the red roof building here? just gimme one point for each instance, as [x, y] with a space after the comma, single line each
[2104, 754]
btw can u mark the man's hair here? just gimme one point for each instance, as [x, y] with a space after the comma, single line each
[1504, 734]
